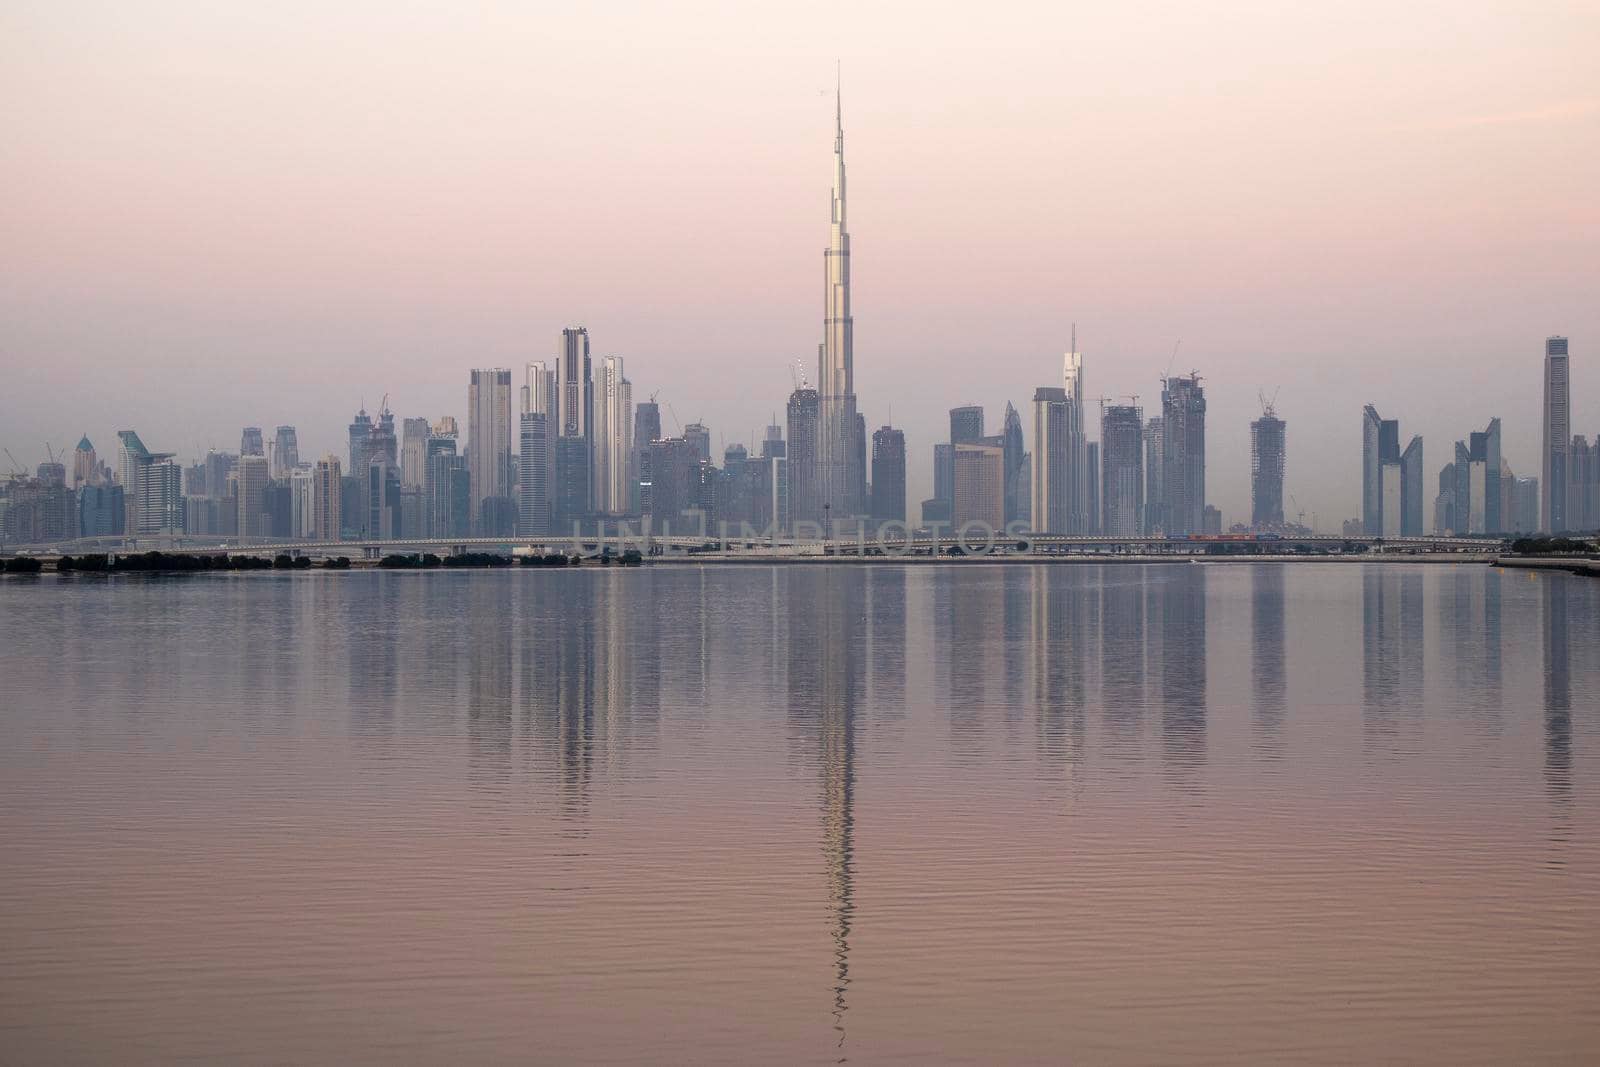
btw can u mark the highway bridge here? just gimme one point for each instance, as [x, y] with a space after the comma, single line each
[777, 546]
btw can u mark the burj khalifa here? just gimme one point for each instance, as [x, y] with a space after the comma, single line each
[841, 432]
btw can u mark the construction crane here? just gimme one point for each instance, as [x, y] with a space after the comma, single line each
[50, 452]
[1269, 406]
[1300, 512]
[15, 466]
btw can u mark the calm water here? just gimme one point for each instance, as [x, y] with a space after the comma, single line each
[1322, 813]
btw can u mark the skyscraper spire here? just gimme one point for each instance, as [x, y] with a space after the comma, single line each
[840, 465]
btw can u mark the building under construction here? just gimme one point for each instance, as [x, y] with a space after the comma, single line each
[1266, 469]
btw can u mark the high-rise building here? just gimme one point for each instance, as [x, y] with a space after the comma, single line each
[285, 451]
[152, 485]
[840, 456]
[303, 503]
[1155, 476]
[447, 498]
[381, 495]
[85, 465]
[489, 449]
[254, 474]
[646, 430]
[1183, 413]
[888, 475]
[774, 509]
[360, 430]
[1011, 440]
[1050, 505]
[1122, 495]
[805, 502]
[1583, 484]
[1411, 489]
[1082, 476]
[1091, 524]
[613, 434]
[966, 424]
[327, 481]
[533, 498]
[980, 472]
[700, 438]
[414, 434]
[1267, 450]
[1391, 481]
[944, 476]
[250, 442]
[100, 509]
[573, 490]
[1557, 440]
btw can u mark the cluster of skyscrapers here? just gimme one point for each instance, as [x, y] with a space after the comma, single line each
[568, 448]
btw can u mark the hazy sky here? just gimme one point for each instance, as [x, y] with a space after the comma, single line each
[220, 214]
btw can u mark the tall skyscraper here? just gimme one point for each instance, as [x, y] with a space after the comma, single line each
[1080, 472]
[1391, 481]
[1555, 448]
[152, 484]
[646, 431]
[327, 484]
[1183, 413]
[1015, 451]
[980, 471]
[613, 437]
[1473, 503]
[414, 434]
[699, 437]
[888, 475]
[1050, 504]
[573, 491]
[250, 442]
[1122, 471]
[254, 474]
[360, 430]
[303, 503]
[85, 465]
[1583, 484]
[489, 448]
[1267, 451]
[285, 452]
[805, 503]
[966, 424]
[840, 458]
[1155, 476]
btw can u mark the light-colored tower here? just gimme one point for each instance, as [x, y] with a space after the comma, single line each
[1556, 448]
[327, 484]
[839, 472]
[613, 436]
[1079, 513]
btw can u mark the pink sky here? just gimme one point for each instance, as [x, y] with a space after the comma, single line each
[219, 215]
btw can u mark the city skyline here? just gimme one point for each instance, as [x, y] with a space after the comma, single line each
[416, 332]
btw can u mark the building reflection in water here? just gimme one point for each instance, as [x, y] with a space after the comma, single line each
[488, 636]
[826, 679]
[1177, 607]
[969, 610]
[1555, 593]
[372, 624]
[1469, 627]
[1392, 663]
[1269, 676]
[1122, 658]
[590, 674]
[1061, 622]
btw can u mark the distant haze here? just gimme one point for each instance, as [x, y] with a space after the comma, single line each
[214, 215]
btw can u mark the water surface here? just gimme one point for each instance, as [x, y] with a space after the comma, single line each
[1307, 813]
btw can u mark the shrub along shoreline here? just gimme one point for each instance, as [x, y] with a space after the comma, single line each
[184, 563]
